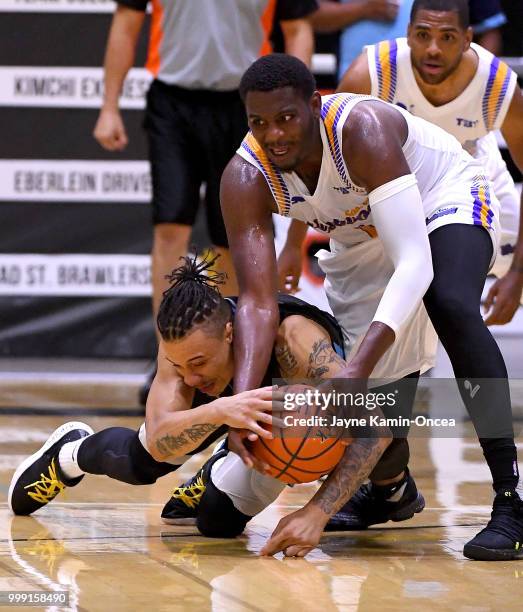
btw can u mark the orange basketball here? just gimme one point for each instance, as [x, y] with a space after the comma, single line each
[302, 452]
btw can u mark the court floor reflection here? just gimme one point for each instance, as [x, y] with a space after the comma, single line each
[104, 543]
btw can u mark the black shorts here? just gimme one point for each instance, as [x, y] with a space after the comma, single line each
[192, 136]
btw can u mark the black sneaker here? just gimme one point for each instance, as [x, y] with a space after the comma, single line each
[502, 538]
[371, 505]
[182, 508]
[39, 479]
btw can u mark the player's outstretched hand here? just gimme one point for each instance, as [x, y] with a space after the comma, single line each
[296, 534]
[503, 298]
[289, 269]
[109, 130]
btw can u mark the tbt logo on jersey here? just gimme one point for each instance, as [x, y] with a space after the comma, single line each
[468, 123]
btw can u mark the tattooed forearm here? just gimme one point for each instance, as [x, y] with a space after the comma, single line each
[322, 358]
[168, 444]
[356, 464]
[286, 360]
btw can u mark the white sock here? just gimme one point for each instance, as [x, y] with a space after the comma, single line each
[216, 465]
[67, 458]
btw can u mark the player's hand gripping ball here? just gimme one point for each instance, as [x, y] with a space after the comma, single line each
[306, 447]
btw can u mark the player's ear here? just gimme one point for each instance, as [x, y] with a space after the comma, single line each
[469, 35]
[316, 104]
[229, 336]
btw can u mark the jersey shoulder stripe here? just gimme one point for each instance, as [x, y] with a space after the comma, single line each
[385, 56]
[272, 175]
[495, 91]
[331, 112]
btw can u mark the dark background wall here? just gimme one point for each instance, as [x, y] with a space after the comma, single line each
[114, 323]
[74, 219]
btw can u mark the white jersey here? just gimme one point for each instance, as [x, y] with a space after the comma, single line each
[471, 117]
[452, 188]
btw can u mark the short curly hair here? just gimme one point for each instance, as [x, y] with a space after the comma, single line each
[461, 7]
[276, 71]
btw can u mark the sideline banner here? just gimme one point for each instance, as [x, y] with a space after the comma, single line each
[74, 181]
[67, 87]
[57, 6]
[32, 274]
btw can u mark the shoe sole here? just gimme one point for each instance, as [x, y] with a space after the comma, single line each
[191, 520]
[409, 511]
[58, 433]
[415, 507]
[479, 553]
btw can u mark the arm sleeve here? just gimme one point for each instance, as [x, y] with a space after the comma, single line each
[138, 5]
[397, 211]
[294, 9]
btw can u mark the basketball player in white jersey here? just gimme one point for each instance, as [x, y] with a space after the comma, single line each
[437, 73]
[376, 179]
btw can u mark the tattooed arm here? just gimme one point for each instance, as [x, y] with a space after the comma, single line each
[299, 532]
[303, 350]
[174, 428]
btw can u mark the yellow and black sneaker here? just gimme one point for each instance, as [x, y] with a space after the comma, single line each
[39, 479]
[182, 508]
[502, 538]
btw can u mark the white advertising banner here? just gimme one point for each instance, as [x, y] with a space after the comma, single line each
[57, 6]
[74, 181]
[57, 87]
[75, 275]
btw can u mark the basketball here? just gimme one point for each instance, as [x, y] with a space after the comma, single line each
[302, 452]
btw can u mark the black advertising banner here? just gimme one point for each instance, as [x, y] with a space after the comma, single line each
[75, 219]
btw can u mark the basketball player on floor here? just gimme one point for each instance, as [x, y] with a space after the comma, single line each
[374, 178]
[195, 363]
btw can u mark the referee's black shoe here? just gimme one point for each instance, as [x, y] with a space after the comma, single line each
[372, 505]
[502, 538]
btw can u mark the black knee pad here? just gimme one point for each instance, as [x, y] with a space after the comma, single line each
[393, 461]
[217, 516]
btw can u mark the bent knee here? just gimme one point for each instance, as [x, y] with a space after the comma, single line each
[217, 516]
[453, 308]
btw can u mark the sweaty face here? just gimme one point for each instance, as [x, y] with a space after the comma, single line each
[283, 123]
[437, 42]
[204, 361]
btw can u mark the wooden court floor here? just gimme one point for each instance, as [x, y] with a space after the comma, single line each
[104, 544]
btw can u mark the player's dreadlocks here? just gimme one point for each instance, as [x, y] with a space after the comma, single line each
[193, 298]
